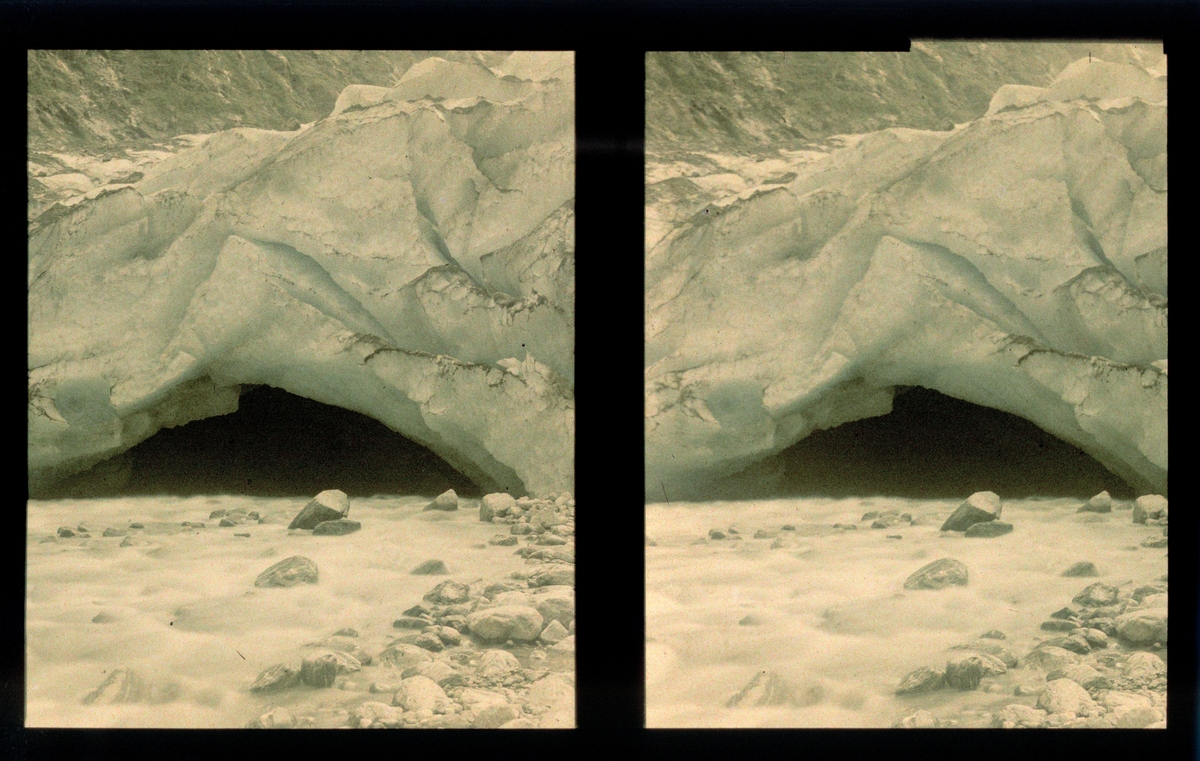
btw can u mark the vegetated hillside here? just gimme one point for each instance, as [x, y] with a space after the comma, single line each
[81, 99]
[742, 100]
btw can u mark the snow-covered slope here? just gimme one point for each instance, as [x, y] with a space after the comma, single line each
[409, 257]
[1017, 262]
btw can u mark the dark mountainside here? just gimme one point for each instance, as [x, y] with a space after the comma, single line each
[92, 99]
[742, 101]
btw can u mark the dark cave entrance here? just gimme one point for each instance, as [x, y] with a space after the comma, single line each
[930, 446]
[276, 444]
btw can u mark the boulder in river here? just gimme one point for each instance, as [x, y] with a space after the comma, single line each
[329, 505]
[924, 679]
[980, 507]
[1066, 696]
[1149, 506]
[321, 669]
[938, 575]
[448, 593]
[505, 622]
[1049, 657]
[1097, 595]
[1101, 503]
[1143, 627]
[288, 573]
[281, 676]
[495, 505]
[447, 501]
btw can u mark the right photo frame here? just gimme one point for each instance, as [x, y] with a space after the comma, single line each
[906, 387]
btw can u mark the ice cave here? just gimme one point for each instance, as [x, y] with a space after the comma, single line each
[929, 446]
[275, 444]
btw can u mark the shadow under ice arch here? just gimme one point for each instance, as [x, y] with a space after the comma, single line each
[275, 444]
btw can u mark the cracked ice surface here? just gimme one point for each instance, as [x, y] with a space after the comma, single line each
[407, 257]
[1017, 262]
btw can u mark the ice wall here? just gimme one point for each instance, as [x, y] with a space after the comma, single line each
[409, 257]
[1017, 262]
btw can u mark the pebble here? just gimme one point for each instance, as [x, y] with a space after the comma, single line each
[65, 532]
[226, 523]
[288, 572]
[924, 679]
[490, 708]
[246, 535]
[276, 718]
[553, 576]
[373, 712]
[920, 720]
[1082, 568]
[989, 529]
[550, 539]
[430, 642]
[787, 527]
[344, 645]
[993, 634]
[938, 575]
[1082, 674]
[347, 632]
[114, 531]
[765, 534]
[1017, 716]
[1049, 657]
[444, 674]
[402, 655]
[1072, 642]
[503, 540]
[329, 505]
[751, 620]
[103, 618]
[1058, 625]
[979, 507]
[411, 622]
[192, 524]
[338, 527]
[136, 525]
[1155, 542]
[716, 534]
[430, 568]
[894, 536]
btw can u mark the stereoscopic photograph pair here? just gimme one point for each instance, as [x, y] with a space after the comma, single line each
[302, 410]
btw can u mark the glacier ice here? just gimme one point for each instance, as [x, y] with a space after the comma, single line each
[1016, 262]
[409, 257]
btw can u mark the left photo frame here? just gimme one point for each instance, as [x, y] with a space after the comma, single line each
[301, 408]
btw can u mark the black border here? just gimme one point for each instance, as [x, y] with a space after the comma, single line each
[610, 39]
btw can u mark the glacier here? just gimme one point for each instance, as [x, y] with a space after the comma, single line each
[1017, 261]
[409, 257]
